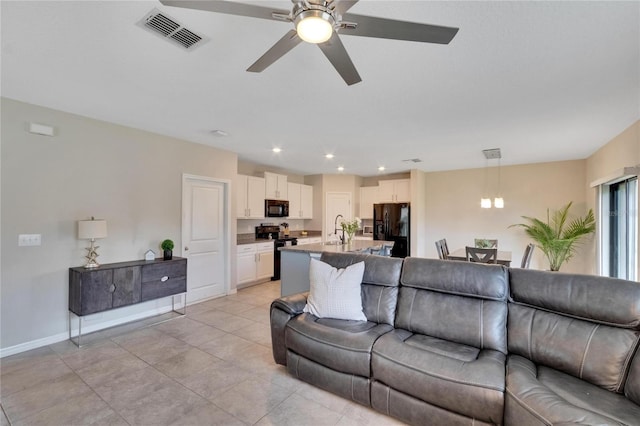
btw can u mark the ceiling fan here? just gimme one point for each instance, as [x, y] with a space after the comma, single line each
[318, 22]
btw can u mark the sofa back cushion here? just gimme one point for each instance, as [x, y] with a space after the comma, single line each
[379, 284]
[584, 325]
[461, 302]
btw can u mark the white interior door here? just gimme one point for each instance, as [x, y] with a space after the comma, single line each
[205, 236]
[336, 203]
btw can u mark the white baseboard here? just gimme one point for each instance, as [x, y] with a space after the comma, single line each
[86, 329]
[90, 328]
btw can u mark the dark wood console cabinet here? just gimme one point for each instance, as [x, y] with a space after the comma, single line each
[121, 284]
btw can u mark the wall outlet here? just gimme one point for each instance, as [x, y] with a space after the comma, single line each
[29, 240]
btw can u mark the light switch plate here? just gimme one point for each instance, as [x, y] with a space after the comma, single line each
[29, 240]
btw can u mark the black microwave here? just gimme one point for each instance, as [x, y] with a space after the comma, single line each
[276, 208]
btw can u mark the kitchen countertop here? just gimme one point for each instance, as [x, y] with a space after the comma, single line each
[356, 245]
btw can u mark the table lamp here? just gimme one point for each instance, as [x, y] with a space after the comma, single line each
[91, 230]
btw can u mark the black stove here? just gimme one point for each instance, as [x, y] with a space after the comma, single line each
[272, 232]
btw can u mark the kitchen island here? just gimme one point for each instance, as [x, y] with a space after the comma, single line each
[295, 260]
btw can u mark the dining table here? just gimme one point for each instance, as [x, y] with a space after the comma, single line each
[503, 257]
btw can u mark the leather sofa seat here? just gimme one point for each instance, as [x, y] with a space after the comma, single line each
[456, 377]
[449, 345]
[572, 342]
[342, 345]
[539, 394]
[332, 354]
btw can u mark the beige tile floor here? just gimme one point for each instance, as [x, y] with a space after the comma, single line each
[213, 367]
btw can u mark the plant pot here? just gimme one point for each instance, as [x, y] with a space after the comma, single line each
[167, 254]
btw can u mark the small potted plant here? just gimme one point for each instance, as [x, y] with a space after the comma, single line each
[167, 249]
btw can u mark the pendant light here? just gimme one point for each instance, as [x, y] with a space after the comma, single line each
[498, 202]
[485, 201]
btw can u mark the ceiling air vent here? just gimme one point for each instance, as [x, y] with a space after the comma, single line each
[412, 160]
[168, 28]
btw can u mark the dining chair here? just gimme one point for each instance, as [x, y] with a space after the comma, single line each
[526, 258]
[445, 248]
[442, 249]
[482, 255]
[485, 243]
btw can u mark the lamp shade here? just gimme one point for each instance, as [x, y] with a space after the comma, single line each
[90, 229]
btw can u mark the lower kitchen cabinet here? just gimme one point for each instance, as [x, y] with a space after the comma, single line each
[254, 262]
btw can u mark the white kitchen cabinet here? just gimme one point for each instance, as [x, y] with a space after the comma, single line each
[295, 206]
[254, 262]
[306, 201]
[394, 191]
[368, 197]
[264, 260]
[250, 198]
[276, 186]
[246, 263]
[300, 201]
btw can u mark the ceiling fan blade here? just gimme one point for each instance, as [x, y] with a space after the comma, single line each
[334, 50]
[369, 26]
[343, 5]
[278, 50]
[229, 7]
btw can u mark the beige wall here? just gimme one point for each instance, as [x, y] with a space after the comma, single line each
[129, 177]
[622, 151]
[453, 206]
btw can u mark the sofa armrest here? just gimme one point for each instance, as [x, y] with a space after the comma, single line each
[282, 310]
[293, 305]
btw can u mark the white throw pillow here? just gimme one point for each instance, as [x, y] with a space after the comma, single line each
[335, 293]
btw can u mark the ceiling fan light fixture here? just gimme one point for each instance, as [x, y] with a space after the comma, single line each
[314, 26]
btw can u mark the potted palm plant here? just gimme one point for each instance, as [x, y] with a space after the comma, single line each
[557, 238]
[167, 249]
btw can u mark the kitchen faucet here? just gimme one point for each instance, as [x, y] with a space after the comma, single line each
[335, 230]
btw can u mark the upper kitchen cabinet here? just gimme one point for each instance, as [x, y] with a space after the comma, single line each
[250, 200]
[368, 197]
[300, 201]
[394, 191]
[276, 186]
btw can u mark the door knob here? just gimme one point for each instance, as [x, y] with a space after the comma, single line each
[186, 249]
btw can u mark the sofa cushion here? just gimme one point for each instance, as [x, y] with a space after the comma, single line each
[335, 293]
[586, 297]
[342, 345]
[413, 410]
[594, 352]
[379, 283]
[538, 394]
[489, 282]
[458, 378]
[461, 302]
[632, 387]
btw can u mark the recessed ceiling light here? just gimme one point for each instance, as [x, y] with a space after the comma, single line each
[276, 150]
[220, 133]
[329, 156]
[341, 169]
[381, 169]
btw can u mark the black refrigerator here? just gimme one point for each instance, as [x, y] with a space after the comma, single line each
[391, 223]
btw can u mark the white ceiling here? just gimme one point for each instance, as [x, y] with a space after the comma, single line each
[543, 81]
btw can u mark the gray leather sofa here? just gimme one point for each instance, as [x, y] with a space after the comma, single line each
[446, 343]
